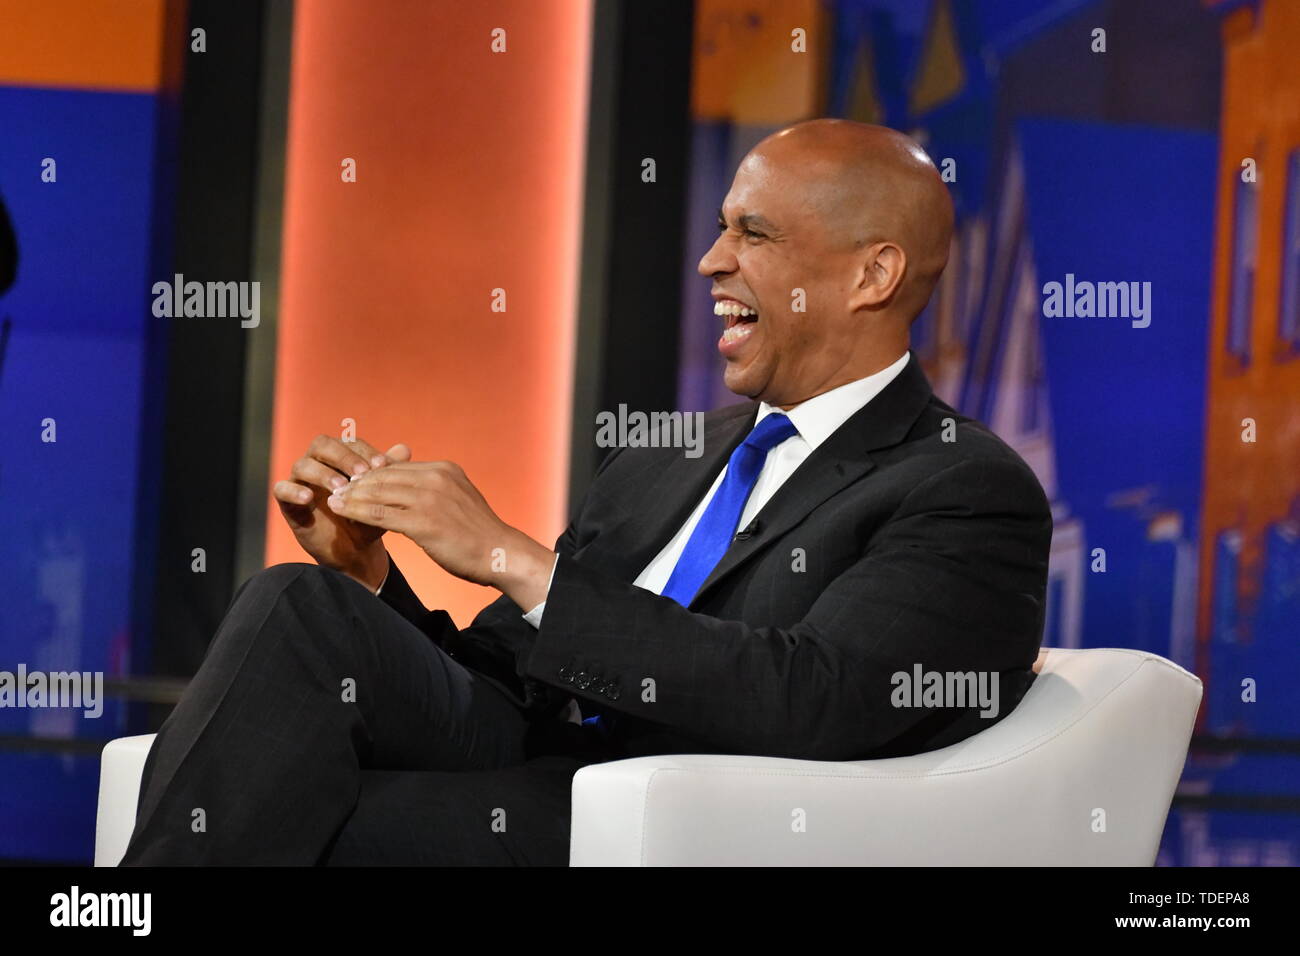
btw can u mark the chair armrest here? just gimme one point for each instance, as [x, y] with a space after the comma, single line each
[120, 770]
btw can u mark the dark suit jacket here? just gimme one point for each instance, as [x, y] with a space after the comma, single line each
[915, 550]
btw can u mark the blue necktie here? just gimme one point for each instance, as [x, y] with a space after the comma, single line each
[712, 536]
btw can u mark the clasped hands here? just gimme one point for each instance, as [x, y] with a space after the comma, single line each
[342, 497]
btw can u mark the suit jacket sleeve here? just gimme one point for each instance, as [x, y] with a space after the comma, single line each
[397, 594]
[951, 583]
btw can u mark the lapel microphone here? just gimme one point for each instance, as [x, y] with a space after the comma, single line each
[750, 530]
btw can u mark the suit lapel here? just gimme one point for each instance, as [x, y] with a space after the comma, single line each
[835, 464]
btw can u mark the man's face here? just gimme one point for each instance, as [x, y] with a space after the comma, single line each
[773, 255]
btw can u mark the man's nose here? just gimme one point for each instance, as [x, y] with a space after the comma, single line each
[718, 260]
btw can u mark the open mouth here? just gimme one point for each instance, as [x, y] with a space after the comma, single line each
[739, 319]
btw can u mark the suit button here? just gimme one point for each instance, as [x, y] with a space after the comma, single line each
[611, 690]
[584, 680]
[566, 672]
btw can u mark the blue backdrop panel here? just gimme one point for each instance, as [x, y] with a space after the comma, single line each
[75, 355]
[1125, 204]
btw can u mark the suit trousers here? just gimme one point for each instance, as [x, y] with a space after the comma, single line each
[324, 728]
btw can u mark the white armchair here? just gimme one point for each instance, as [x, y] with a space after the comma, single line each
[1081, 773]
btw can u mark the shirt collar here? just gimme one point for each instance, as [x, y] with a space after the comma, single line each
[817, 418]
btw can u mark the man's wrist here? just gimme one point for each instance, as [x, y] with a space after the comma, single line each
[534, 616]
[527, 575]
[372, 570]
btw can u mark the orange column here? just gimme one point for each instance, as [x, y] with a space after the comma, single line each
[1249, 486]
[469, 170]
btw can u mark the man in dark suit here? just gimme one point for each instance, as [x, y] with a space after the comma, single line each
[818, 583]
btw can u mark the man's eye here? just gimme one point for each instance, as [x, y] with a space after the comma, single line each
[747, 233]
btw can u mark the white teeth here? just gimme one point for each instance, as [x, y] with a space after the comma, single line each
[737, 332]
[732, 308]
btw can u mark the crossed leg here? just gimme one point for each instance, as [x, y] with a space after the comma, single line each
[284, 747]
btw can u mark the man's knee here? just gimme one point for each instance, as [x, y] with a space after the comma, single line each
[298, 578]
[292, 601]
[301, 590]
[277, 577]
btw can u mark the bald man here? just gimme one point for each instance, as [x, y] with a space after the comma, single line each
[850, 569]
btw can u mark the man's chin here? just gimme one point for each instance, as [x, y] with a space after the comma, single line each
[743, 381]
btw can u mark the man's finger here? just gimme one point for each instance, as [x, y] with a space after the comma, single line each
[376, 515]
[331, 451]
[381, 488]
[310, 471]
[291, 493]
[372, 455]
[409, 466]
[398, 473]
[398, 453]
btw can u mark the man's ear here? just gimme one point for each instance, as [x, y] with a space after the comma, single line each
[883, 266]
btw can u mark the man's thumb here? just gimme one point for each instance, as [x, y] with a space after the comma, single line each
[399, 452]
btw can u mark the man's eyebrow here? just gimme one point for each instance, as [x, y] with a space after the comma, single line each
[754, 219]
[749, 219]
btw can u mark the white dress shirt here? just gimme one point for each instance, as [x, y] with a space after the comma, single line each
[816, 420]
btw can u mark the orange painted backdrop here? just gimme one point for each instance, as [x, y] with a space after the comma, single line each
[82, 44]
[469, 175]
